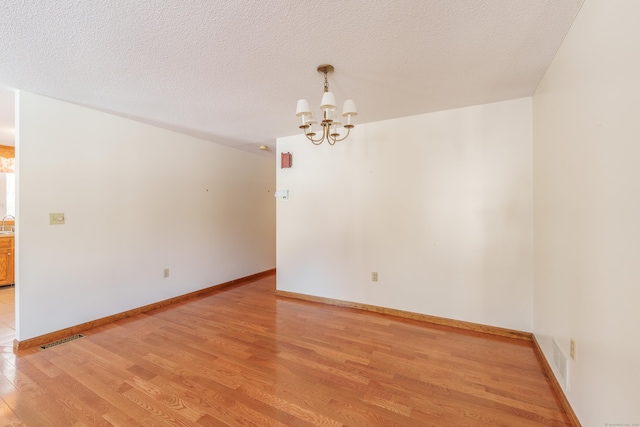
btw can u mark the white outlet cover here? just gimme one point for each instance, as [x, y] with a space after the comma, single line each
[56, 218]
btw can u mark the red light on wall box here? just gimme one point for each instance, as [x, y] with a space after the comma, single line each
[285, 160]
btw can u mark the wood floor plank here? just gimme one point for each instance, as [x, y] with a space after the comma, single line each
[246, 357]
[8, 417]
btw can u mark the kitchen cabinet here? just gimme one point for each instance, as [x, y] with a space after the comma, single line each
[6, 260]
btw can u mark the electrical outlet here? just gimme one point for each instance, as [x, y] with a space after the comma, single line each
[374, 276]
[572, 349]
[56, 218]
[166, 272]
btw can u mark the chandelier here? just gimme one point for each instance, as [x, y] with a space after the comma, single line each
[330, 125]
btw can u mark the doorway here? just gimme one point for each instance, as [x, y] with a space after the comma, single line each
[7, 213]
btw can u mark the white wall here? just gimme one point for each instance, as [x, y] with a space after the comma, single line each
[137, 199]
[587, 210]
[440, 205]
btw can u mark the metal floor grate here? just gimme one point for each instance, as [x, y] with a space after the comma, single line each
[62, 341]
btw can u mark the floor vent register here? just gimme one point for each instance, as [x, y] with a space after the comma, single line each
[62, 341]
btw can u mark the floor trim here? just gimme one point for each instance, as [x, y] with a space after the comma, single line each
[460, 324]
[564, 402]
[73, 330]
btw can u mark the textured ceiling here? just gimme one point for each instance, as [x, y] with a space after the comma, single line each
[230, 71]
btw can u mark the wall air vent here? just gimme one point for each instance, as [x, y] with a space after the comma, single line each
[62, 341]
[561, 364]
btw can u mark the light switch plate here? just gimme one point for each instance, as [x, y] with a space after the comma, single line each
[282, 194]
[56, 218]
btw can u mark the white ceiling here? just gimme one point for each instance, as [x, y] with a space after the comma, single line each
[230, 71]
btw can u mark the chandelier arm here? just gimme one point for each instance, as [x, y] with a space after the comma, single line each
[344, 137]
[315, 141]
[326, 130]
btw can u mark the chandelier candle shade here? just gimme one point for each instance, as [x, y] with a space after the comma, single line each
[330, 125]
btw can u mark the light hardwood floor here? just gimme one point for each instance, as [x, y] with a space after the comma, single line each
[244, 357]
[7, 319]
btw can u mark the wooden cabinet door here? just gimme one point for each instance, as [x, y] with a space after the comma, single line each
[6, 261]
